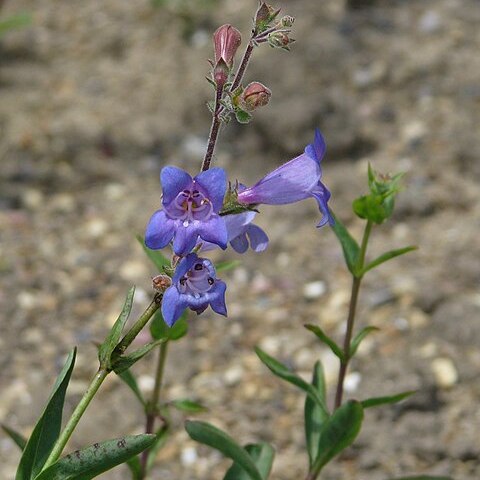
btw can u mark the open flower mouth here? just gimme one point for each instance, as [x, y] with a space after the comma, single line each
[190, 205]
[197, 281]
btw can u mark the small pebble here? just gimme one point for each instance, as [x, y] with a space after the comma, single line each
[444, 371]
[352, 382]
[314, 290]
[188, 456]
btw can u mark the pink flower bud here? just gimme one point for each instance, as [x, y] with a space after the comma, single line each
[226, 39]
[220, 73]
[280, 40]
[255, 95]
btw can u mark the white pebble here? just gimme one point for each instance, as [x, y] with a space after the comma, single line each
[314, 290]
[444, 372]
[352, 381]
[188, 456]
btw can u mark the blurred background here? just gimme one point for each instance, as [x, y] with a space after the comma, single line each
[95, 97]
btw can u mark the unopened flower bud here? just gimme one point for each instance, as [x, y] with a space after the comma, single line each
[279, 40]
[287, 21]
[161, 282]
[255, 95]
[265, 15]
[226, 39]
[220, 73]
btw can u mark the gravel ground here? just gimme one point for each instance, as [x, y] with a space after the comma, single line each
[96, 99]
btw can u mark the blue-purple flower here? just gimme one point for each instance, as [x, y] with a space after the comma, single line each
[194, 286]
[190, 210]
[242, 234]
[295, 180]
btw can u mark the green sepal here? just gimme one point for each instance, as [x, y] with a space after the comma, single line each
[315, 417]
[98, 458]
[350, 247]
[321, 335]
[280, 370]
[188, 406]
[156, 256]
[124, 362]
[371, 207]
[47, 428]
[387, 256]
[129, 379]
[338, 432]
[227, 265]
[160, 330]
[108, 346]
[242, 116]
[262, 455]
[13, 22]
[207, 434]
[377, 401]
[19, 440]
[359, 337]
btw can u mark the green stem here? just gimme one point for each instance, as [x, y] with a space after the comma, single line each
[357, 280]
[151, 409]
[76, 415]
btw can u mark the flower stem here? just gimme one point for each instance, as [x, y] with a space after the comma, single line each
[151, 409]
[243, 65]
[357, 279]
[76, 415]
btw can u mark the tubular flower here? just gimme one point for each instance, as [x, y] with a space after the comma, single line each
[242, 234]
[190, 210]
[293, 181]
[194, 286]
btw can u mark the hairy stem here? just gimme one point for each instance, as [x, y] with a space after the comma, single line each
[351, 316]
[214, 129]
[151, 409]
[243, 65]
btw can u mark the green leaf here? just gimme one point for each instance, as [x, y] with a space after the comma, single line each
[326, 340]
[98, 458]
[228, 265]
[387, 256]
[376, 401]
[108, 346]
[124, 362]
[15, 21]
[350, 247]
[262, 455]
[160, 330]
[186, 405]
[135, 466]
[242, 116]
[128, 377]
[156, 256]
[338, 432]
[47, 429]
[315, 417]
[422, 477]
[280, 370]
[207, 434]
[359, 337]
[18, 438]
[161, 438]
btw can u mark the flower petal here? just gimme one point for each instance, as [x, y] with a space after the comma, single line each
[185, 238]
[240, 243]
[258, 238]
[173, 180]
[217, 300]
[173, 305]
[321, 194]
[185, 264]
[236, 224]
[214, 230]
[214, 182]
[318, 148]
[160, 230]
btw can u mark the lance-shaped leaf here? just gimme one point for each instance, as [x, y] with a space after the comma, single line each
[359, 337]
[92, 461]
[262, 455]
[17, 438]
[422, 477]
[108, 346]
[159, 329]
[189, 406]
[47, 429]
[387, 256]
[130, 380]
[327, 341]
[315, 417]
[350, 247]
[207, 434]
[280, 370]
[338, 432]
[376, 401]
[135, 466]
[124, 362]
[156, 256]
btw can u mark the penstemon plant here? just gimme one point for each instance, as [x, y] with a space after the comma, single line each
[200, 213]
